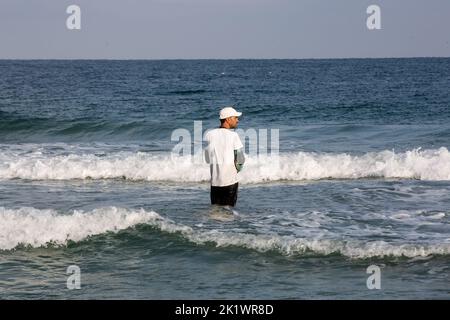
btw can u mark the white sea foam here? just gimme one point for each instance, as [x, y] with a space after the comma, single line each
[36, 228]
[415, 164]
[290, 246]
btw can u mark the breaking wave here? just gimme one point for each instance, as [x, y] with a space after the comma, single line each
[36, 228]
[432, 164]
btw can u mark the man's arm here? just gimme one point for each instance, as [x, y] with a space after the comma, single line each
[206, 152]
[239, 159]
[206, 148]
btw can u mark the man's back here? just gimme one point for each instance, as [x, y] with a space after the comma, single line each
[220, 154]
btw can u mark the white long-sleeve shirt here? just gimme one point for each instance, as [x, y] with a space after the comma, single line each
[220, 155]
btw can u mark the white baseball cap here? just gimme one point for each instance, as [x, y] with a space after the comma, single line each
[229, 112]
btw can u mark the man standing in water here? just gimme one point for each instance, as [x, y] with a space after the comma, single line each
[226, 158]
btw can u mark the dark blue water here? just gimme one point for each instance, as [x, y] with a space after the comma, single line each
[363, 178]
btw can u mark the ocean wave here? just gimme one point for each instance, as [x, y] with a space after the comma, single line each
[294, 246]
[13, 125]
[37, 228]
[11, 122]
[432, 164]
[290, 245]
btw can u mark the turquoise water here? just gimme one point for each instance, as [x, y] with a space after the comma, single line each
[86, 179]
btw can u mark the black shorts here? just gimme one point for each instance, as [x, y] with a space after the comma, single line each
[224, 196]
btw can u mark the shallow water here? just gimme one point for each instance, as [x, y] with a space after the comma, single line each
[363, 178]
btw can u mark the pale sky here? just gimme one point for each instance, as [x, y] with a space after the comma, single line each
[223, 29]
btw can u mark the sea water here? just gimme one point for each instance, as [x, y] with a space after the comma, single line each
[87, 179]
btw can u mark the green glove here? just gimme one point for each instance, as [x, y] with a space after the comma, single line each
[239, 159]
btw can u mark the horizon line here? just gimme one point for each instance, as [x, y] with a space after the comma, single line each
[222, 59]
